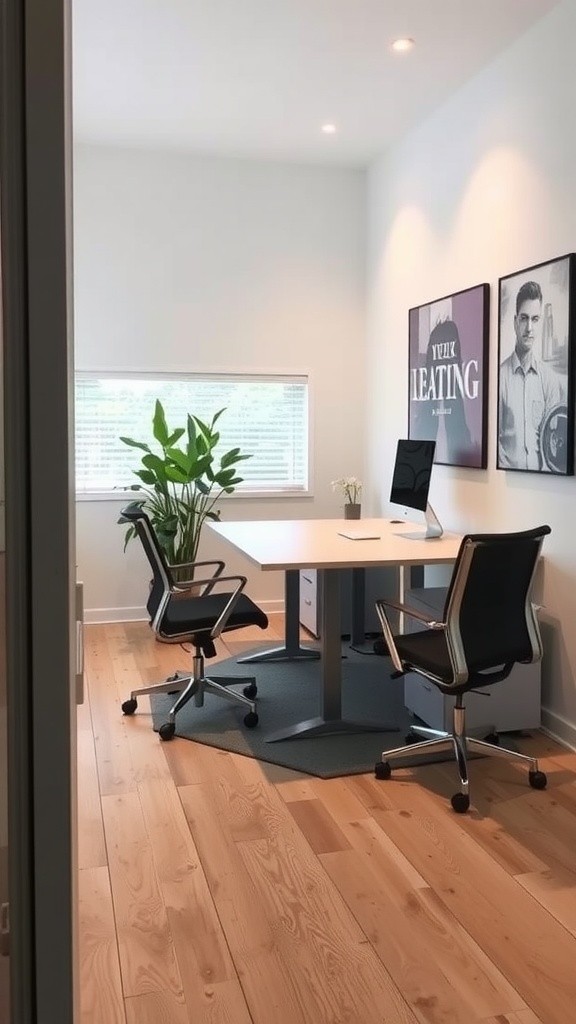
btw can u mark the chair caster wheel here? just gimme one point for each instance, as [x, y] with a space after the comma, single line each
[493, 738]
[166, 731]
[460, 802]
[251, 720]
[129, 706]
[411, 737]
[537, 780]
[382, 770]
[250, 691]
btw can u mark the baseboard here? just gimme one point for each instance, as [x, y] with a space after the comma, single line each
[558, 728]
[94, 616]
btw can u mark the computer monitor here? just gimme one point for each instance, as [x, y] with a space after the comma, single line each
[411, 481]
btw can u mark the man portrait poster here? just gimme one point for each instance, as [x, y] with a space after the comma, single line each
[535, 393]
[448, 373]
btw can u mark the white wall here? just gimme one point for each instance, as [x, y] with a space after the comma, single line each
[484, 188]
[188, 263]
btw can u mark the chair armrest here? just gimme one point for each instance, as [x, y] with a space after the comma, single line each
[413, 613]
[220, 624]
[187, 583]
[381, 606]
[186, 588]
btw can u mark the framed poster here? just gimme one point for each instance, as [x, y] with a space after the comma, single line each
[535, 368]
[448, 376]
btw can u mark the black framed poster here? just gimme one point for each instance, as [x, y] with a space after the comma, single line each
[448, 376]
[535, 369]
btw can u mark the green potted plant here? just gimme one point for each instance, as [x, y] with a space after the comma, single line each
[181, 485]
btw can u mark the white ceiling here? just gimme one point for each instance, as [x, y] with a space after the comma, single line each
[259, 77]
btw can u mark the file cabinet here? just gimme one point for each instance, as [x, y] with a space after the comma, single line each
[374, 583]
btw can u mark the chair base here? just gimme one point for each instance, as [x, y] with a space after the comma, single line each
[461, 745]
[196, 685]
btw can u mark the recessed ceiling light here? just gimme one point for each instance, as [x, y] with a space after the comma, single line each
[329, 129]
[403, 45]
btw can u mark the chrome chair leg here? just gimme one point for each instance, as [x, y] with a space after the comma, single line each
[491, 750]
[461, 745]
[428, 746]
[195, 685]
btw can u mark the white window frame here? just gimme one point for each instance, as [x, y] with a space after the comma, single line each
[284, 493]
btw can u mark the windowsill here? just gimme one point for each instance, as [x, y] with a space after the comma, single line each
[126, 496]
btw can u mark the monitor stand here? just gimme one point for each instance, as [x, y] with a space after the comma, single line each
[433, 527]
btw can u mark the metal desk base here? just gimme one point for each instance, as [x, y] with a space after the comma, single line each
[330, 720]
[292, 650]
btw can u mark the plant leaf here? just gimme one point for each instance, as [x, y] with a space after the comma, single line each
[175, 436]
[156, 464]
[135, 444]
[176, 475]
[146, 476]
[180, 458]
[159, 427]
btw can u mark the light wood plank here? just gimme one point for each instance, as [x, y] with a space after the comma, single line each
[522, 1017]
[297, 789]
[277, 775]
[101, 997]
[316, 823]
[555, 891]
[430, 957]
[319, 939]
[115, 771]
[338, 799]
[204, 960]
[147, 955]
[90, 827]
[272, 992]
[316, 936]
[221, 1005]
[533, 951]
[157, 1008]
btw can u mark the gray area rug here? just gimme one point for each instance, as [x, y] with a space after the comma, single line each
[289, 692]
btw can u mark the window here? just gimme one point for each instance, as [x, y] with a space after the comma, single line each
[266, 415]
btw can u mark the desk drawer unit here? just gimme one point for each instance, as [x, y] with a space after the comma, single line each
[378, 582]
[513, 704]
[309, 604]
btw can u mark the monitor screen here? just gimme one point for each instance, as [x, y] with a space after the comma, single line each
[412, 471]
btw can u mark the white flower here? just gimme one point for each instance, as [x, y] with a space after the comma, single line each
[350, 487]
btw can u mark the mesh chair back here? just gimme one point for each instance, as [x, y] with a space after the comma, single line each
[488, 611]
[161, 575]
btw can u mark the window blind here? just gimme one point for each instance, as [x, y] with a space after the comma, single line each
[265, 416]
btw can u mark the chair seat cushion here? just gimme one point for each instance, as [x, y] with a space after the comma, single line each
[427, 651]
[190, 615]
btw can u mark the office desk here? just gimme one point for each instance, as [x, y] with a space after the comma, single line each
[291, 545]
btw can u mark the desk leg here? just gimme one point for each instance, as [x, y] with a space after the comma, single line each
[291, 650]
[358, 625]
[330, 720]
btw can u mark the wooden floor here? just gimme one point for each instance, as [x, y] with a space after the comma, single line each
[218, 890]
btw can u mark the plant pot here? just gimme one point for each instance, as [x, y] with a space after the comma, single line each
[352, 511]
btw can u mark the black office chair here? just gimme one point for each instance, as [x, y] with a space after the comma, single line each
[489, 623]
[179, 612]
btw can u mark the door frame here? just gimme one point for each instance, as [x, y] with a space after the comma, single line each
[36, 173]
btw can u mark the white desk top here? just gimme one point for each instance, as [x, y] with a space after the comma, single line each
[316, 543]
